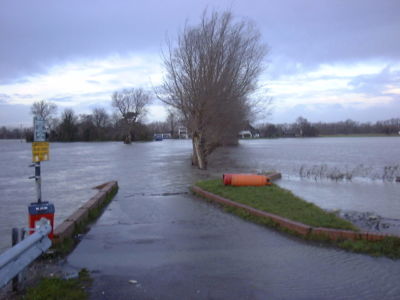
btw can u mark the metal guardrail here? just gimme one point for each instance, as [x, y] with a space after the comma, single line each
[17, 258]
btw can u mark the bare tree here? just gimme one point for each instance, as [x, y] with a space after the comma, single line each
[210, 76]
[43, 109]
[68, 126]
[131, 106]
[100, 117]
[100, 120]
[172, 121]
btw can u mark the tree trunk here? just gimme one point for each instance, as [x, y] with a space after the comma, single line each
[199, 157]
[128, 138]
[194, 155]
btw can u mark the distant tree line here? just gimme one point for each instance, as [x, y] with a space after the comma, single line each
[303, 128]
[101, 126]
[12, 133]
[123, 125]
[95, 126]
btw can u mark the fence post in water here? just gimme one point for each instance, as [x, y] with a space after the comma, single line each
[15, 240]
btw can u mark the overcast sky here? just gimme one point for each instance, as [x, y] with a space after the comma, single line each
[328, 60]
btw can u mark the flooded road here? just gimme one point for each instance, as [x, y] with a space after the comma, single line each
[174, 244]
[180, 247]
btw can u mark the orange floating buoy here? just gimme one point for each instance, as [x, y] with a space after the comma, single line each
[249, 180]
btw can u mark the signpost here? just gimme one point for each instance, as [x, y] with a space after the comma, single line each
[39, 130]
[40, 152]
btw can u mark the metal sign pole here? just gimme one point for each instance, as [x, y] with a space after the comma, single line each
[40, 151]
[38, 182]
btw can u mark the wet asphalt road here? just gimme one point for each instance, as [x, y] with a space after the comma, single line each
[180, 247]
[177, 246]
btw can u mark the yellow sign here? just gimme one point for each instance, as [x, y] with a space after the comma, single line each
[40, 151]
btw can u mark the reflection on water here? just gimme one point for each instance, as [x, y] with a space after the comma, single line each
[164, 167]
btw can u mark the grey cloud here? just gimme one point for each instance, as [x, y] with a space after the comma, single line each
[5, 81]
[376, 84]
[114, 70]
[114, 81]
[23, 96]
[70, 97]
[337, 112]
[43, 33]
[93, 81]
[99, 94]
[15, 115]
[4, 98]
[326, 31]
[61, 99]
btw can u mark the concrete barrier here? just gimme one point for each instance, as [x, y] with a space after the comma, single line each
[336, 234]
[299, 228]
[64, 230]
[81, 216]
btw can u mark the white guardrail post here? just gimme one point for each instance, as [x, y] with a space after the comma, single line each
[17, 258]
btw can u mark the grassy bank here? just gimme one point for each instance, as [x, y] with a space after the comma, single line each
[281, 202]
[278, 201]
[61, 289]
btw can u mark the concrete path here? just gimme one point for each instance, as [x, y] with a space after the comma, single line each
[149, 246]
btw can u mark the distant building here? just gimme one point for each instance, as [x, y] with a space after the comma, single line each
[245, 134]
[249, 132]
[183, 133]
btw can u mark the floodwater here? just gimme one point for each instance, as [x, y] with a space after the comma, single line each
[164, 167]
[170, 230]
[335, 173]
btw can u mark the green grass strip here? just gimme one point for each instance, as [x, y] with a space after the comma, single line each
[61, 289]
[278, 201]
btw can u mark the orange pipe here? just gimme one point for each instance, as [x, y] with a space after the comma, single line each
[249, 180]
[227, 178]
